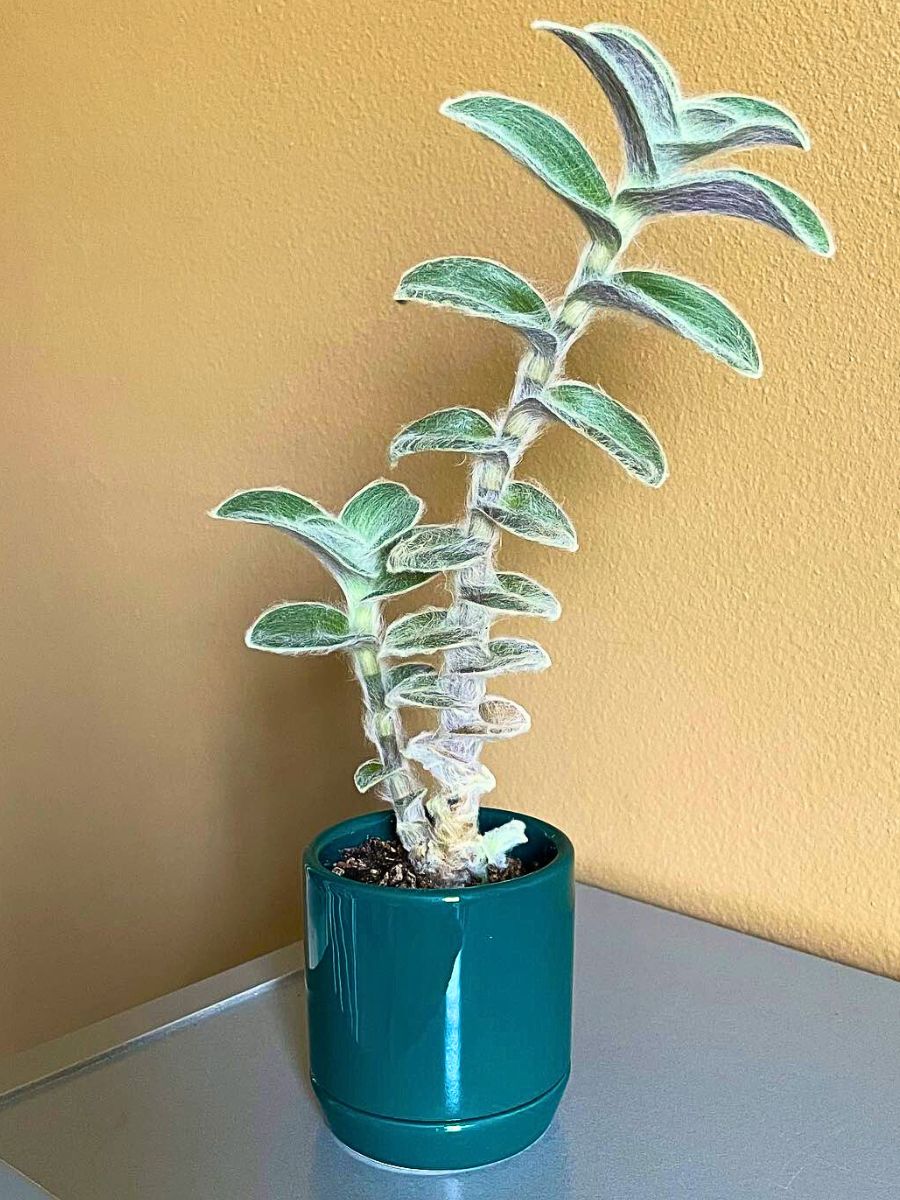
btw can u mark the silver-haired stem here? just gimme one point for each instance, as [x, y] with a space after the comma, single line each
[400, 788]
[455, 816]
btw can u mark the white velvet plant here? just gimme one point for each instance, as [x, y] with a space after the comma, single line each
[377, 549]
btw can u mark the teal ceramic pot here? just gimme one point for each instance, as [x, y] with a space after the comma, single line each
[440, 1021]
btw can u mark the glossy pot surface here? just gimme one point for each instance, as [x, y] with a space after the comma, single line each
[439, 1021]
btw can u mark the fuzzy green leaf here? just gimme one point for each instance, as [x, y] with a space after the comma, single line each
[403, 672]
[422, 691]
[506, 655]
[424, 632]
[701, 119]
[303, 628]
[742, 137]
[638, 86]
[331, 542]
[456, 430]
[610, 425]
[269, 506]
[397, 583]
[435, 548]
[753, 110]
[381, 511]
[527, 510]
[511, 592]
[370, 774]
[682, 307]
[715, 124]
[547, 147]
[482, 288]
[733, 194]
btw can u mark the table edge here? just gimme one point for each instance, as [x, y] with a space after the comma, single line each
[83, 1047]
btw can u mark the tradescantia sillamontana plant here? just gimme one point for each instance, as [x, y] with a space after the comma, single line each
[376, 547]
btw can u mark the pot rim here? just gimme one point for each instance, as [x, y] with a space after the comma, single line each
[559, 864]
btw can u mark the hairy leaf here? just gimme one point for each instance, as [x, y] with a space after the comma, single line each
[424, 632]
[280, 508]
[498, 718]
[753, 110]
[506, 655]
[460, 430]
[379, 514]
[546, 146]
[435, 752]
[370, 774]
[664, 69]
[482, 288]
[422, 691]
[435, 548]
[510, 592]
[683, 307]
[640, 92]
[733, 194]
[527, 510]
[610, 425]
[269, 506]
[715, 124]
[303, 628]
[402, 672]
[381, 511]
[742, 137]
[702, 119]
[397, 583]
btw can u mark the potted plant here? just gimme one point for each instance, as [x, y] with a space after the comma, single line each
[439, 933]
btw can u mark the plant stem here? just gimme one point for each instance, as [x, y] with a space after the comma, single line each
[383, 728]
[489, 475]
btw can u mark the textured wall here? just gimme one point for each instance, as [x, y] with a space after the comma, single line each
[206, 206]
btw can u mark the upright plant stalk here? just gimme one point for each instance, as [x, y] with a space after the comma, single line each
[353, 546]
[376, 547]
[397, 782]
[455, 816]
[664, 132]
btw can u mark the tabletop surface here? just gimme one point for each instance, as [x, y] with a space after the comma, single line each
[708, 1065]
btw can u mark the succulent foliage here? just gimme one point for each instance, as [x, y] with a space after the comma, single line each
[376, 548]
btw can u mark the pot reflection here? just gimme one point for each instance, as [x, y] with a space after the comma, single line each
[541, 1171]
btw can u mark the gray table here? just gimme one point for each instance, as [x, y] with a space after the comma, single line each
[708, 1065]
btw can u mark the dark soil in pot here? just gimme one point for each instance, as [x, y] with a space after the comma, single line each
[383, 862]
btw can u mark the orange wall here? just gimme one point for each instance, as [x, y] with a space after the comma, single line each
[206, 207]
